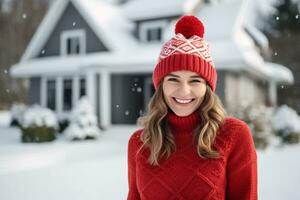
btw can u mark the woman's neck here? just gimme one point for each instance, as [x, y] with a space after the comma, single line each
[183, 125]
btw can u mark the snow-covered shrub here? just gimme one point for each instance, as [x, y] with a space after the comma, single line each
[83, 122]
[17, 111]
[259, 119]
[38, 124]
[286, 123]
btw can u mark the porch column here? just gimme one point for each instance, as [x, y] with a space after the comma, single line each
[90, 87]
[105, 98]
[43, 92]
[273, 93]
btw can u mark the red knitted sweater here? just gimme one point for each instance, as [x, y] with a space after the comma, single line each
[186, 176]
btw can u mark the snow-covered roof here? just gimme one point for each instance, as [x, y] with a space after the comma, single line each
[145, 9]
[223, 19]
[258, 36]
[106, 21]
[145, 61]
[219, 19]
[280, 73]
[231, 46]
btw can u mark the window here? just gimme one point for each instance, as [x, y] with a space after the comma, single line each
[82, 91]
[73, 45]
[152, 31]
[154, 34]
[51, 94]
[73, 42]
[67, 94]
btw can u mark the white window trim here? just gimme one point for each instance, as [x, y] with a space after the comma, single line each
[149, 25]
[44, 90]
[72, 33]
[59, 93]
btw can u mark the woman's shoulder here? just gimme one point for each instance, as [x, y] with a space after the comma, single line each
[235, 130]
[241, 143]
[233, 126]
[233, 123]
[134, 139]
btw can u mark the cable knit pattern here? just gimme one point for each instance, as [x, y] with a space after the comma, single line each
[186, 176]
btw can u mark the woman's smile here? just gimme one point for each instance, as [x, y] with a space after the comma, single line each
[183, 101]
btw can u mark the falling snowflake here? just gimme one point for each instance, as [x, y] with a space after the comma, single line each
[277, 18]
[43, 51]
[297, 16]
[139, 89]
[135, 84]
[74, 24]
[282, 86]
[132, 89]
[117, 106]
[7, 90]
[24, 16]
[275, 53]
[141, 112]
[5, 71]
[127, 112]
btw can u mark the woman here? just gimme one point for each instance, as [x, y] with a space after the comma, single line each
[188, 148]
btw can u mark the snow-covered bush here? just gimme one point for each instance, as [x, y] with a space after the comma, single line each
[17, 111]
[286, 123]
[38, 124]
[83, 122]
[259, 119]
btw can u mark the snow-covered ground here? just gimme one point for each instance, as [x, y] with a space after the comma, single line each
[63, 169]
[98, 170]
[5, 117]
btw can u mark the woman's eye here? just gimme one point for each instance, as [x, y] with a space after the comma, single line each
[172, 79]
[196, 81]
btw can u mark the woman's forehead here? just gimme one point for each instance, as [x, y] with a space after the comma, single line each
[184, 74]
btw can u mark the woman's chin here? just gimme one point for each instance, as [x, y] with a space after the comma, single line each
[182, 113]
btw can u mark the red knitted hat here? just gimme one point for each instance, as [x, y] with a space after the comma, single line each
[187, 50]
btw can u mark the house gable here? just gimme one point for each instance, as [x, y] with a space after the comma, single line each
[142, 25]
[71, 20]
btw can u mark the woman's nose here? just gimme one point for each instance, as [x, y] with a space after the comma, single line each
[184, 89]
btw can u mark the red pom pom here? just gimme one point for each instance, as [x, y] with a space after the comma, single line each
[189, 26]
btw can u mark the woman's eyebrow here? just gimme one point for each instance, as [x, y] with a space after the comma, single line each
[195, 76]
[173, 75]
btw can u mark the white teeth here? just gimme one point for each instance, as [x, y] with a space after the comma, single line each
[183, 101]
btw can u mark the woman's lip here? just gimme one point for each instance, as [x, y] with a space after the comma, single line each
[184, 99]
[181, 103]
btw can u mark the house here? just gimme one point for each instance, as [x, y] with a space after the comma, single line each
[108, 52]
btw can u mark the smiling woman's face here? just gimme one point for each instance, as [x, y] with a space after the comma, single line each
[184, 92]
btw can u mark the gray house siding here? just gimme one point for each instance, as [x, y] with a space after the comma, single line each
[220, 90]
[34, 90]
[70, 16]
[128, 97]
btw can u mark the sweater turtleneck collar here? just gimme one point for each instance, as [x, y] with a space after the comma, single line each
[181, 125]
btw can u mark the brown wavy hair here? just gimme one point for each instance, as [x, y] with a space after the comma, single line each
[157, 137]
